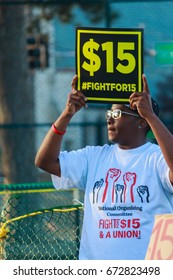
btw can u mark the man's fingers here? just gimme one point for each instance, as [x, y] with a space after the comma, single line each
[73, 83]
[77, 98]
[145, 84]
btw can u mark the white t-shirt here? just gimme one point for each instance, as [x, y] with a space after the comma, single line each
[124, 190]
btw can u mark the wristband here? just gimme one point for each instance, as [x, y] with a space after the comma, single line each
[57, 131]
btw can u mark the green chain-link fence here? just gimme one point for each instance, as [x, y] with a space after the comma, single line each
[28, 233]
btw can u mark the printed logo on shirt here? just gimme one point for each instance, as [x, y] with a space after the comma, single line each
[122, 228]
[119, 190]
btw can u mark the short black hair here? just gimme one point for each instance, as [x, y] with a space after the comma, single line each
[155, 107]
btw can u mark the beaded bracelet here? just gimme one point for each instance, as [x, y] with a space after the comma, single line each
[57, 131]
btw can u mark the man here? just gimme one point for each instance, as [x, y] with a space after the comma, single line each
[126, 184]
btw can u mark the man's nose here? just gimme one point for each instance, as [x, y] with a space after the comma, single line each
[110, 120]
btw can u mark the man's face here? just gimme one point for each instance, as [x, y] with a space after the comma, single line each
[123, 129]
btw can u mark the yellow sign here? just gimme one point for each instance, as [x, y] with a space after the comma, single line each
[109, 63]
[161, 242]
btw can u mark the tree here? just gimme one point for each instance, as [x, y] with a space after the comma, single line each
[16, 82]
[96, 11]
[16, 97]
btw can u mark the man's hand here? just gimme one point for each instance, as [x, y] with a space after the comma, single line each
[76, 99]
[142, 100]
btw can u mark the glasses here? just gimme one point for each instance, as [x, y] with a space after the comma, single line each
[117, 113]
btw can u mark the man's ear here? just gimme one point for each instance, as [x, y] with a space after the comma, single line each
[143, 123]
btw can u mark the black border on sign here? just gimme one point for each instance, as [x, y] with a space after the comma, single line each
[93, 30]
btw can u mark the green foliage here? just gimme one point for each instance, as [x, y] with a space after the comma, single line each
[65, 12]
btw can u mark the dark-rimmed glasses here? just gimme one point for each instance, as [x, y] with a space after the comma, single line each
[117, 113]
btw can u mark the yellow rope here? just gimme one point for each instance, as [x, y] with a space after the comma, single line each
[34, 191]
[4, 230]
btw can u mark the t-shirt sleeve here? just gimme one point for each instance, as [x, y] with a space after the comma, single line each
[163, 172]
[74, 167]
